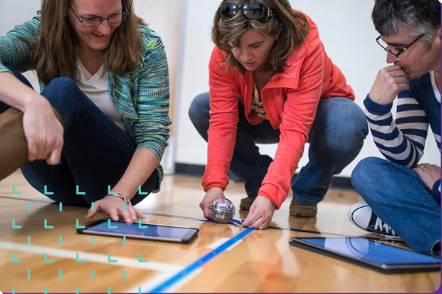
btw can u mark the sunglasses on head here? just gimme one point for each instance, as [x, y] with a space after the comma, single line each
[251, 10]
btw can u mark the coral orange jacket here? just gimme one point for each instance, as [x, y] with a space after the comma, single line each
[290, 100]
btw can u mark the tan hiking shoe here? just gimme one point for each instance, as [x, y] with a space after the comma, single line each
[246, 203]
[298, 208]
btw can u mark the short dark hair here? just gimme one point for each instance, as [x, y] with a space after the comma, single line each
[420, 16]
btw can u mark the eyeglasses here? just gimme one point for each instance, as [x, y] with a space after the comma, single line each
[115, 18]
[250, 10]
[385, 46]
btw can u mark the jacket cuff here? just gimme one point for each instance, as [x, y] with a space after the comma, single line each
[376, 108]
[213, 185]
[436, 191]
[3, 68]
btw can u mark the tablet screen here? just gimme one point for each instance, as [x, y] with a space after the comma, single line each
[361, 248]
[145, 230]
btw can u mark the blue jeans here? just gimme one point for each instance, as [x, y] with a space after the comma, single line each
[336, 137]
[96, 152]
[401, 199]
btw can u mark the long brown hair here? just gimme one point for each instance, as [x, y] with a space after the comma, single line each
[293, 28]
[54, 54]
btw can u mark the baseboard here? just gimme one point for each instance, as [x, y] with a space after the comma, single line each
[198, 171]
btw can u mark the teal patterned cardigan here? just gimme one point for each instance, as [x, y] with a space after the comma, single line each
[142, 96]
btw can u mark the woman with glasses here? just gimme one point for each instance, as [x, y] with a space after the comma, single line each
[97, 132]
[402, 196]
[271, 81]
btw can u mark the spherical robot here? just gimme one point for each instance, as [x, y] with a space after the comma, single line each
[222, 210]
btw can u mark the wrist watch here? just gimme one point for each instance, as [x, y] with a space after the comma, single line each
[124, 198]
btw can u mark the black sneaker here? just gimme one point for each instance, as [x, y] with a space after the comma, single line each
[362, 216]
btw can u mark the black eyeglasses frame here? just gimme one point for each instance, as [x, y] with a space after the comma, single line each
[400, 51]
[124, 14]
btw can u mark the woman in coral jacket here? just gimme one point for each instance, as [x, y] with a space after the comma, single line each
[271, 81]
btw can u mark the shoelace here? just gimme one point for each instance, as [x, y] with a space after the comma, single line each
[381, 226]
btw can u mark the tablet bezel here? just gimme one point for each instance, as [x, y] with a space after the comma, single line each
[384, 268]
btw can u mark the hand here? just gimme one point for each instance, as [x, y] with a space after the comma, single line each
[114, 206]
[389, 82]
[212, 194]
[43, 132]
[429, 173]
[260, 214]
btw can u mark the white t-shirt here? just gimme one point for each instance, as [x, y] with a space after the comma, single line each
[433, 83]
[96, 88]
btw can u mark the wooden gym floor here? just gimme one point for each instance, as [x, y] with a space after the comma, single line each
[262, 261]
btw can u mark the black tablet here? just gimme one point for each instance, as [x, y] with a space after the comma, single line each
[370, 254]
[140, 231]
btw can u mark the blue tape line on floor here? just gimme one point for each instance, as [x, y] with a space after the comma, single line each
[200, 262]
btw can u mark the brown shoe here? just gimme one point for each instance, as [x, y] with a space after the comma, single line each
[246, 203]
[298, 208]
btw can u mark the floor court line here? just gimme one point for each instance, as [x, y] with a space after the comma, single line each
[221, 241]
[90, 257]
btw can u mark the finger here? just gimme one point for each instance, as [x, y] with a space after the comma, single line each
[393, 67]
[133, 213]
[258, 223]
[38, 149]
[250, 219]
[54, 157]
[403, 87]
[47, 149]
[32, 150]
[207, 212]
[419, 171]
[265, 225]
[90, 213]
[114, 214]
[401, 80]
[140, 214]
[398, 73]
[126, 215]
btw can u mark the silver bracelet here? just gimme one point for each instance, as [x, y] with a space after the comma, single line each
[124, 198]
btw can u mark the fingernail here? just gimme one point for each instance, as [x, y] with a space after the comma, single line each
[60, 162]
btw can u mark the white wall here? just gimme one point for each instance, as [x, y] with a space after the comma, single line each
[348, 34]
[184, 25]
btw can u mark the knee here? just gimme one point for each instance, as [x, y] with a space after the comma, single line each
[345, 130]
[366, 173]
[351, 121]
[63, 85]
[199, 109]
[63, 93]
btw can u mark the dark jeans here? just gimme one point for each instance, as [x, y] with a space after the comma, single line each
[401, 199]
[96, 152]
[336, 137]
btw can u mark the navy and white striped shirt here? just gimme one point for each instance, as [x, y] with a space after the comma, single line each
[403, 140]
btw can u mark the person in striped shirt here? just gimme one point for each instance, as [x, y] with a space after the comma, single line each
[402, 195]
